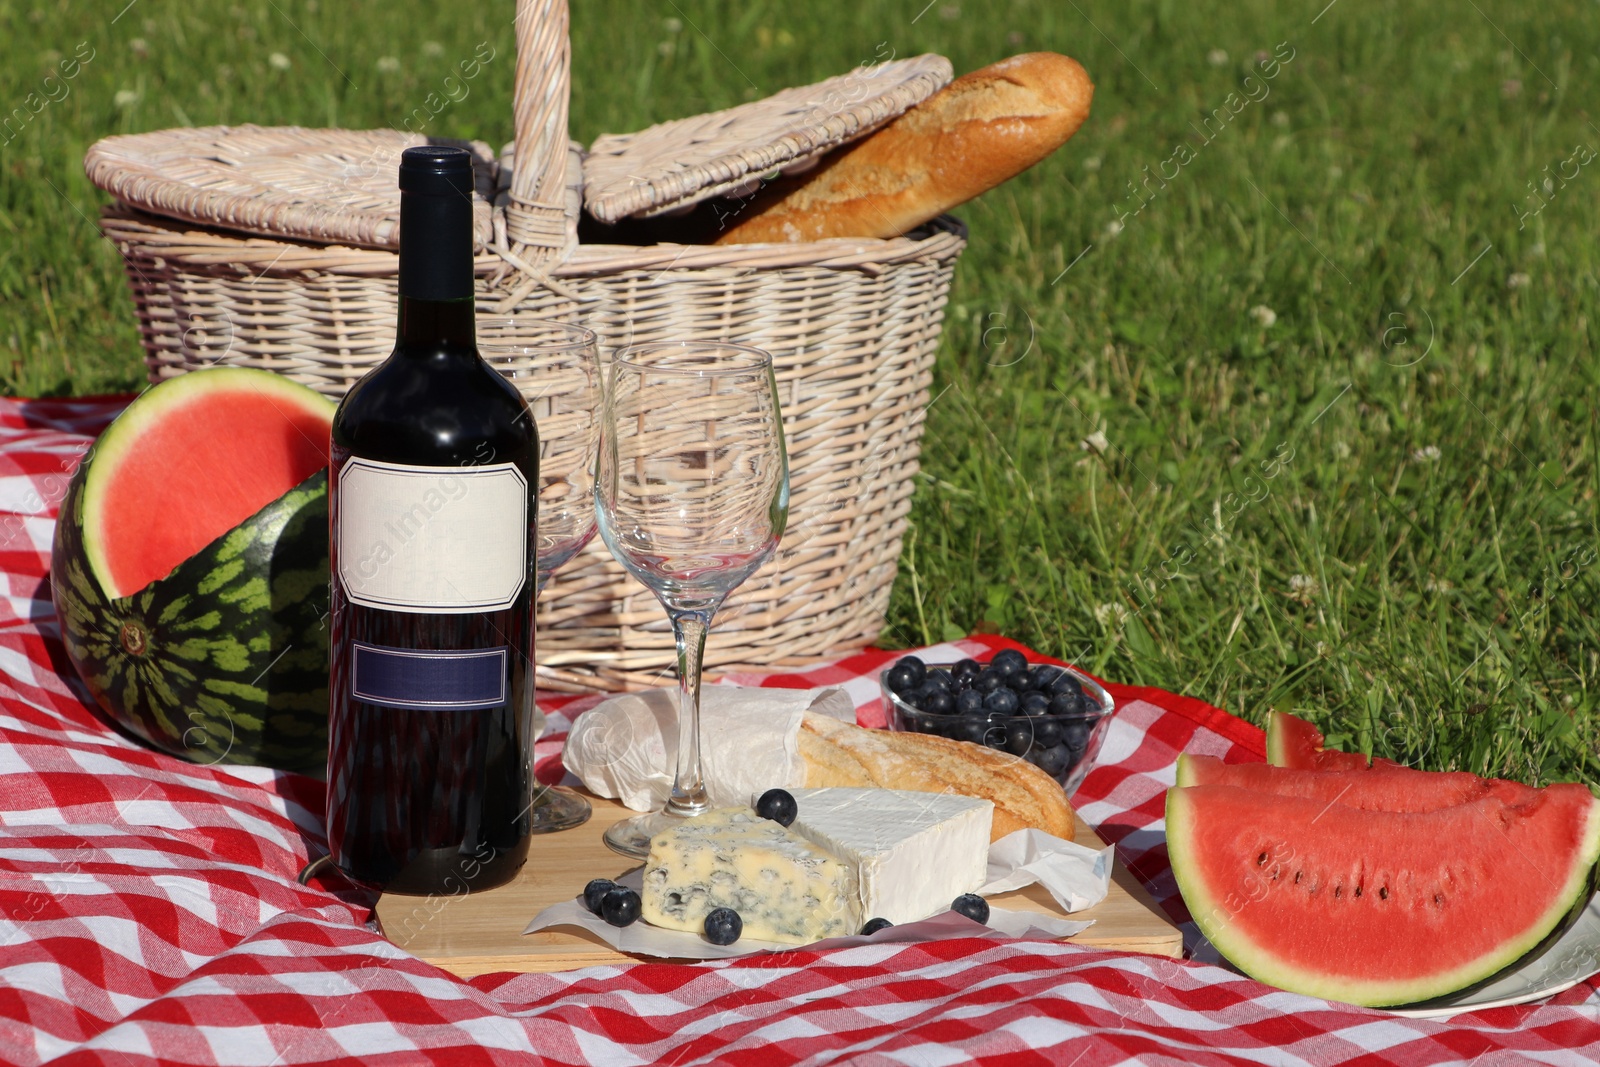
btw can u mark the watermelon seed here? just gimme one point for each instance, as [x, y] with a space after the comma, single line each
[1261, 860]
[1297, 875]
[1358, 891]
[1383, 892]
[1338, 891]
[133, 641]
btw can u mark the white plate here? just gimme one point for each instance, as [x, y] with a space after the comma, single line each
[1566, 962]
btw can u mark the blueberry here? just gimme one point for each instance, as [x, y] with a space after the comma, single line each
[972, 728]
[1054, 760]
[1075, 734]
[998, 729]
[620, 907]
[1035, 703]
[972, 906]
[723, 926]
[970, 702]
[1046, 732]
[777, 805]
[1001, 701]
[937, 702]
[1018, 682]
[1066, 703]
[1066, 683]
[967, 668]
[1019, 736]
[901, 680]
[1045, 675]
[594, 891]
[1009, 660]
[938, 679]
[918, 669]
[988, 681]
[874, 925]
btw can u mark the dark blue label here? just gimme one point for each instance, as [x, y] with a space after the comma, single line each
[407, 678]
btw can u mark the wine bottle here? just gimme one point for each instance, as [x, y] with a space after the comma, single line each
[432, 511]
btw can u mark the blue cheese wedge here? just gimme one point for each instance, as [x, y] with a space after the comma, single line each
[912, 853]
[784, 887]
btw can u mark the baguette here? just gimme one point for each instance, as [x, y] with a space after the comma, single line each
[838, 754]
[978, 131]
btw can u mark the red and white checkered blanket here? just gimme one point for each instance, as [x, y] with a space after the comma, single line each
[149, 911]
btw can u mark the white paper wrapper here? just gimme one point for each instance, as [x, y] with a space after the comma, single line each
[1071, 872]
[627, 747]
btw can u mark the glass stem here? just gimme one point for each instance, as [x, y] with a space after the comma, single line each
[688, 784]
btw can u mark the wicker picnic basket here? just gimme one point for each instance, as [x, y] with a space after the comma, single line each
[275, 248]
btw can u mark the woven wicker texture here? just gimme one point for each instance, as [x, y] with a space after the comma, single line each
[339, 186]
[674, 164]
[852, 326]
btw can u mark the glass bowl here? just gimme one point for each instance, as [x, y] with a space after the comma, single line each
[1062, 740]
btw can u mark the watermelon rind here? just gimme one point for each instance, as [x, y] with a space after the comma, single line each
[1212, 907]
[225, 660]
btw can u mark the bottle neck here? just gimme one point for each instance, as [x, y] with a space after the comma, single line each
[431, 327]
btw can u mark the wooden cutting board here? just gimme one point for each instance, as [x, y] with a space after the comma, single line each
[482, 933]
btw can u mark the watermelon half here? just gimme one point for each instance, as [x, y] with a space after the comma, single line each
[190, 569]
[1378, 907]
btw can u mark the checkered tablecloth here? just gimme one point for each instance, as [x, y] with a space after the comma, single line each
[149, 911]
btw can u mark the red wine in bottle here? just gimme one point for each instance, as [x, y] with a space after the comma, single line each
[431, 495]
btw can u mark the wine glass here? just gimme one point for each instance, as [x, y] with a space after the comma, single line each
[556, 367]
[692, 493]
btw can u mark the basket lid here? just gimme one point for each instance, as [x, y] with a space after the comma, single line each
[675, 164]
[330, 186]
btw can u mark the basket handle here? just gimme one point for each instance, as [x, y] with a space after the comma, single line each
[536, 219]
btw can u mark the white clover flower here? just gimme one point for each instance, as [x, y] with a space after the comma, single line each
[1217, 57]
[1427, 454]
[1264, 315]
[125, 98]
[139, 47]
[1341, 450]
[672, 25]
[1111, 615]
[1096, 443]
[1303, 588]
[1437, 585]
[666, 48]
[1280, 118]
[1518, 280]
[1113, 228]
[389, 65]
[278, 61]
[432, 48]
[1092, 163]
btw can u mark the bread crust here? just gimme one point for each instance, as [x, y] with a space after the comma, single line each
[838, 754]
[980, 130]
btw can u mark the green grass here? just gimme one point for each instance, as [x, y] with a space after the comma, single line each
[1379, 511]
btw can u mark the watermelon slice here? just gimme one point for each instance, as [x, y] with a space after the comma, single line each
[190, 569]
[1383, 787]
[1378, 907]
[183, 466]
[1293, 742]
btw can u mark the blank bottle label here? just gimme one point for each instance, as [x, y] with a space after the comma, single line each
[434, 540]
[407, 678]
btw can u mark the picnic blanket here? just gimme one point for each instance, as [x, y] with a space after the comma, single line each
[149, 911]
